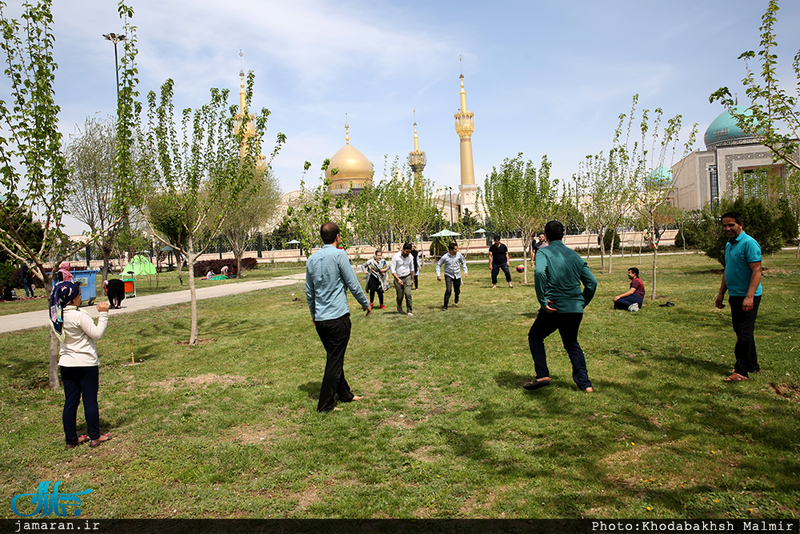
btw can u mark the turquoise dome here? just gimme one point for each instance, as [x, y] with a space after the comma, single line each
[659, 177]
[724, 130]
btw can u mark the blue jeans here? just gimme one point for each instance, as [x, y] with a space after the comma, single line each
[496, 269]
[624, 302]
[567, 325]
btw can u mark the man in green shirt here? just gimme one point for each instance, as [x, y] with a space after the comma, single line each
[560, 271]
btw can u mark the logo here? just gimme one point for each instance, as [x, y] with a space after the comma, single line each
[48, 504]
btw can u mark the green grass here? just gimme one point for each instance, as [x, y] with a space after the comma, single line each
[230, 428]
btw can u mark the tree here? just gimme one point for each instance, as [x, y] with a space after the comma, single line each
[257, 207]
[759, 223]
[647, 162]
[203, 168]
[313, 208]
[90, 157]
[410, 205]
[773, 116]
[520, 198]
[772, 108]
[33, 171]
[370, 218]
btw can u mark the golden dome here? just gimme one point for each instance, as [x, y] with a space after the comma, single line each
[354, 170]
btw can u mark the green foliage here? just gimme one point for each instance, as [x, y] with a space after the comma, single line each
[410, 204]
[610, 232]
[33, 170]
[772, 115]
[785, 220]
[21, 222]
[370, 216]
[200, 164]
[521, 198]
[759, 223]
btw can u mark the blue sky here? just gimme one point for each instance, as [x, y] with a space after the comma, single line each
[542, 77]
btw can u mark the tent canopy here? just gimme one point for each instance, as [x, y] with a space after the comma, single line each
[139, 265]
[445, 233]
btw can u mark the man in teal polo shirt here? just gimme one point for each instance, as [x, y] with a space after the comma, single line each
[560, 271]
[742, 280]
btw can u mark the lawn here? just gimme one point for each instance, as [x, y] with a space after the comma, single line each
[229, 429]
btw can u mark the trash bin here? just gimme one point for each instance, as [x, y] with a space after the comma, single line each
[130, 287]
[88, 284]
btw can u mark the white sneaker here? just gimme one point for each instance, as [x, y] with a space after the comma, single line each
[410, 314]
[633, 307]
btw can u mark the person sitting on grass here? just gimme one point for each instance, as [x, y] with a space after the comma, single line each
[633, 299]
[78, 361]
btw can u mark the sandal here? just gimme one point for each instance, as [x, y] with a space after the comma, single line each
[736, 377]
[81, 441]
[536, 384]
[99, 441]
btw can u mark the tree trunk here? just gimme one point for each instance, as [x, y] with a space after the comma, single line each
[192, 290]
[611, 250]
[602, 243]
[52, 371]
[655, 259]
[588, 243]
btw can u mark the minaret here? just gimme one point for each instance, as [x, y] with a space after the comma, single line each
[465, 125]
[261, 161]
[417, 159]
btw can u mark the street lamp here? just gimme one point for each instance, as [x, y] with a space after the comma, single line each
[115, 38]
[451, 205]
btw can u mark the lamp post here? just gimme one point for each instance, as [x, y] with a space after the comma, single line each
[451, 205]
[115, 38]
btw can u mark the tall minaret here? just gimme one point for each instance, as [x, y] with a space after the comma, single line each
[417, 159]
[465, 125]
[249, 133]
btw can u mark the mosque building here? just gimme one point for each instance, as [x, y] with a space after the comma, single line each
[720, 170]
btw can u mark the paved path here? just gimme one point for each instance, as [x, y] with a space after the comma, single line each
[37, 319]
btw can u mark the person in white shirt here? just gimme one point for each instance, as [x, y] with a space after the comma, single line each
[78, 362]
[452, 261]
[403, 273]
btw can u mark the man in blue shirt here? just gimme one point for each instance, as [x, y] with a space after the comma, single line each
[328, 275]
[560, 272]
[742, 280]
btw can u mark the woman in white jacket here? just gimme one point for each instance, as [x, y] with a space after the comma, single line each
[78, 361]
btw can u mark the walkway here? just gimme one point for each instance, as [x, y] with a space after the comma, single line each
[37, 319]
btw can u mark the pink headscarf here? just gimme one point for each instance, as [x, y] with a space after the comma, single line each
[64, 270]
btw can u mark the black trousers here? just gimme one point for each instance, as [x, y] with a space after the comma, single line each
[451, 284]
[567, 325]
[334, 334]
[744, 324]
[374, 286]
[496, 269]
[80, 382]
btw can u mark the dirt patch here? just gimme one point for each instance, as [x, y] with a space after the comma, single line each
[787, 391]
[251, 434]
[199, 342]
[199, 381]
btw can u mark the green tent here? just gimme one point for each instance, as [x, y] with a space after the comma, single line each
[139, 265]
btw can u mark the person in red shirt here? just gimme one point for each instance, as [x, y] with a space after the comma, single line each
[632, 299]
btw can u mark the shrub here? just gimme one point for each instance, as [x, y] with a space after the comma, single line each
[607, 240]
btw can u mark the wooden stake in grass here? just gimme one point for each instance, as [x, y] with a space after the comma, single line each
[132, 362]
